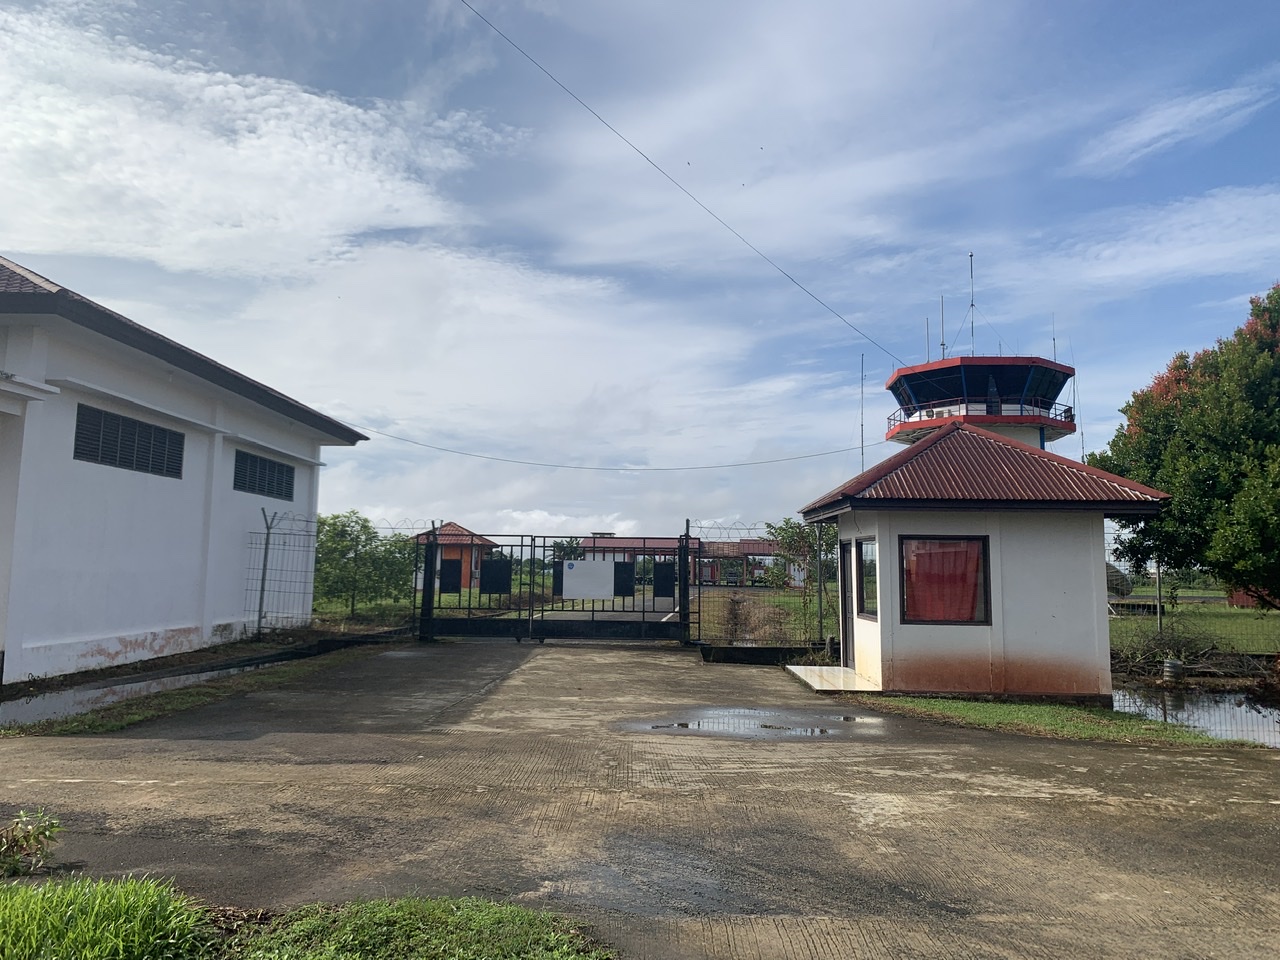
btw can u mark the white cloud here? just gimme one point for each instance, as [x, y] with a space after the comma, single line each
[1227, 232]
[118, 151]
[1202, 118]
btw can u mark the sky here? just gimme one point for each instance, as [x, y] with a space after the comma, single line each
[386, 211]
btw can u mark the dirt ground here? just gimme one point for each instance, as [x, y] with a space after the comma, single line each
[686, 810]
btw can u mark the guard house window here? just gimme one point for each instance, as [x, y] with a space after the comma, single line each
[267, 478]
[116, 441]
[945, 580]
[867, 579]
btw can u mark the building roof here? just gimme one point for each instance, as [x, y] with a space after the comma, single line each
[24, 291]
[455, 533]
[624, 544]
[963, 467]
[732, 549]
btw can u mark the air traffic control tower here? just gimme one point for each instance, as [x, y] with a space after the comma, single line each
[1016, 397]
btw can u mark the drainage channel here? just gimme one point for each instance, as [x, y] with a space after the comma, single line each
[58, 704]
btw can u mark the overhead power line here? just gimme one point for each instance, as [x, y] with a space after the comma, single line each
[577, 466]
[679, 186]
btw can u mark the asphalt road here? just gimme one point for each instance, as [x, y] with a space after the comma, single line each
[686, 810]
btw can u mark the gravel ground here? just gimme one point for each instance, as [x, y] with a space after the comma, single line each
[684, 809]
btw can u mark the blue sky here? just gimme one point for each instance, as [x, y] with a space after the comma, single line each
[384, 210]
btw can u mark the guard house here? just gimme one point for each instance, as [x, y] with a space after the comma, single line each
[972, 561]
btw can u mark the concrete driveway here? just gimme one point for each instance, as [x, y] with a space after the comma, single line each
[685, 809]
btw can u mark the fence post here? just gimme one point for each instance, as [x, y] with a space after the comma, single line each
[682, 563]
[262, 583]
[817, 537]
[1159, 602]
[427, 611]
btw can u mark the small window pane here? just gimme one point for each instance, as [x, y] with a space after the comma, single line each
[867, 604]
[944, 580]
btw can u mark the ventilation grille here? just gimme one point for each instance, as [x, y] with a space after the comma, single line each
[116, 441]
[267, 478]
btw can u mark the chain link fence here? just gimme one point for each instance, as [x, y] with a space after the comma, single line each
[762, 590]
[337, 574]
[1158, 614]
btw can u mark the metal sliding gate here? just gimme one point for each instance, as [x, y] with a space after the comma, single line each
[536, 588]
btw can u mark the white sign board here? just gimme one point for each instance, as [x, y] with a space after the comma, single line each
[588, 579]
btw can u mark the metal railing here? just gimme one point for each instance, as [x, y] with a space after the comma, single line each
[942, 409]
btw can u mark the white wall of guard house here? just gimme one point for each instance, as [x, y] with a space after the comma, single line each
[1047, 626]
[103, 559]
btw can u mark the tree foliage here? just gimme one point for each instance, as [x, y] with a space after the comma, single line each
[356, 564]
[570, 548]
[1207, 431]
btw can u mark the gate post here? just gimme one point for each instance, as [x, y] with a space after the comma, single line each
[682, 563]
[426, 614]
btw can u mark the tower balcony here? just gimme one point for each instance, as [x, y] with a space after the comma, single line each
[910, 423]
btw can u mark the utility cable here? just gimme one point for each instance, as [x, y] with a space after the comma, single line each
[679, 186]
[576, 466]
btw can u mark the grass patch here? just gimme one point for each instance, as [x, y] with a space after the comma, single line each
[448, 929]
[1060, 721]
[135, 710]
[101, 920]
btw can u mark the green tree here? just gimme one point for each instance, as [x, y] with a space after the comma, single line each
[355, 564]
[570, 548]
[1207, 431]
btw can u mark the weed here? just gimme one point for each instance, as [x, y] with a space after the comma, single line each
[25, 844]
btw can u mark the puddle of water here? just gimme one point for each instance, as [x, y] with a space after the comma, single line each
[1225, 715]
[67, 703]
[753, 723]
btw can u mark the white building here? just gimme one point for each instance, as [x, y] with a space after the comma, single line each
[973, 562]
[132, 470]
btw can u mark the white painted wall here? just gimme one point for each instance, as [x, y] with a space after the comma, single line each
[1048, 632]
[102, 565]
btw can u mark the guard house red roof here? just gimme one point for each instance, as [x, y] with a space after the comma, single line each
[962, 467]
[456, 533]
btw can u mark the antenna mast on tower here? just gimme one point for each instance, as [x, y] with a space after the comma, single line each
[973, 350]
[942, 324]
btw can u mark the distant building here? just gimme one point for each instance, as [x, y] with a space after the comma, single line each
[460, 555]
[131, 471]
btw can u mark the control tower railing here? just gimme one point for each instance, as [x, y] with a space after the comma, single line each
[941, 409]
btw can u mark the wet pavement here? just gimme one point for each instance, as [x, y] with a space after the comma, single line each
[683, 809]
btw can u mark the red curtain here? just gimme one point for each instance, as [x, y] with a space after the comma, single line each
[943, 580]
